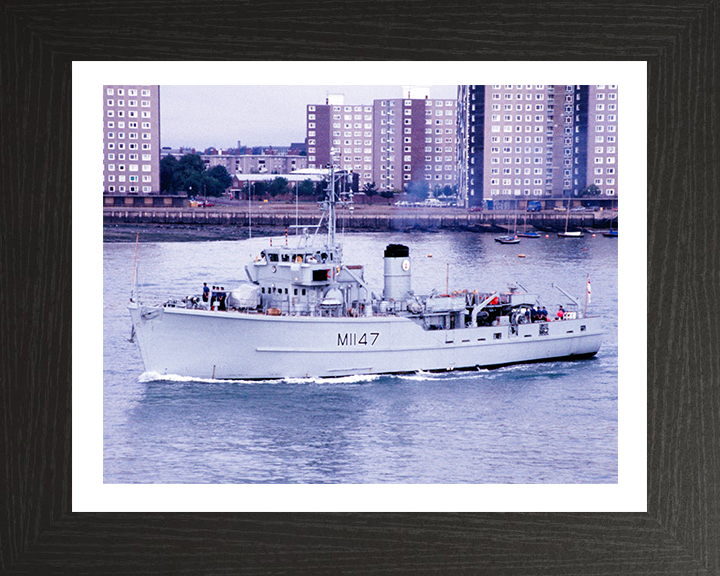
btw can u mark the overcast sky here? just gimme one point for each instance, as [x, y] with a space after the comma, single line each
[220, 116]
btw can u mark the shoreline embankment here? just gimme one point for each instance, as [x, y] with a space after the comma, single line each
[234, 223]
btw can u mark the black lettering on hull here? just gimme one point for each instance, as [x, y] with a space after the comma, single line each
[354, 339]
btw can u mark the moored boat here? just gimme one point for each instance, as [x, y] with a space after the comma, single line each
[508, 239]
[569, 233]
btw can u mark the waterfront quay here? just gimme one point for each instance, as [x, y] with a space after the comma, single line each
[361, 218]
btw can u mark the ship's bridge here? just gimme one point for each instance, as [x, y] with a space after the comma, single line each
[293, 279]
[303, 266]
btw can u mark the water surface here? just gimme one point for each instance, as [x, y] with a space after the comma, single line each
[552, 422]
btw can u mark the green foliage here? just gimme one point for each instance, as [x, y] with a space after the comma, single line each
[189, 174]
[194, 185]
[320, 188]
[191, 164]
[389, 194]
[216, 181]
[257, 189]
[370, 189]
[306, 188]
[220, 174]
[170, 179]
[446, 191]
[591, 190]
[278, 186]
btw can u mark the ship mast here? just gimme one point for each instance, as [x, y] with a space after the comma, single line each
[333, 199]
[331, 205]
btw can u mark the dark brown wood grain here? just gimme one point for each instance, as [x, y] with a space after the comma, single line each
[681, 530]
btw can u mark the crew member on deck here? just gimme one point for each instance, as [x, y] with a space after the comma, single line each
[560, 313]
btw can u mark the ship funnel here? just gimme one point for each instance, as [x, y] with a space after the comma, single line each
[397, 272]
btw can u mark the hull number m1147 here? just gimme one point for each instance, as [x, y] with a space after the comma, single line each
[354, 339]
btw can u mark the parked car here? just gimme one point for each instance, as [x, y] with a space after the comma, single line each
[534, 206]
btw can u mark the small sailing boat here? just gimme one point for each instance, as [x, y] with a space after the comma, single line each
[525, 233]
[510, 239]
[571, 233]
[611, 233]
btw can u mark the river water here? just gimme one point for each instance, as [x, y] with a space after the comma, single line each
[554, 422]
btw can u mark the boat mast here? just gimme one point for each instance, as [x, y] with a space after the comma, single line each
[133, 283]
[331, 205]
[567, 215]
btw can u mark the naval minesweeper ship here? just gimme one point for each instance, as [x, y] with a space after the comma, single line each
[307, 313]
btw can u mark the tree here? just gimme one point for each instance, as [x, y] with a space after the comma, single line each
[260, 188]
[170, 181]
[591, 190]
[369, 189]
[278, 186]
[306, 188]
[189, 174]
[216, 181]
[191, 164]
[320, 188]
[446, 190]
[389, 194]
[194, 185]
[220, 174]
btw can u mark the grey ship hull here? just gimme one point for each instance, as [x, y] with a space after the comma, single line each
[235, 345]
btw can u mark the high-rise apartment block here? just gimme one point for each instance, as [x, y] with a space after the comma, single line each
[602, 143]
[343, 131]
[415, 141]
[505, 138]
[131, 139]
[537, 142]
[390, 143]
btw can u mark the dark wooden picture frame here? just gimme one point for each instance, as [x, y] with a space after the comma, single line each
[681, 530]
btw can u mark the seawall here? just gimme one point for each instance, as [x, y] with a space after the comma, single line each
[389, 219]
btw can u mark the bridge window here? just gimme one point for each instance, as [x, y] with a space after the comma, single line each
[320, 275]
